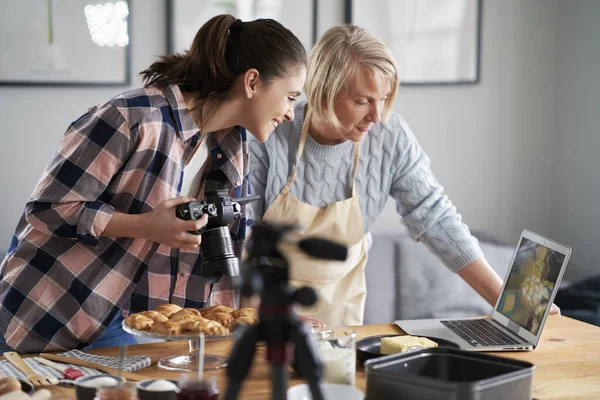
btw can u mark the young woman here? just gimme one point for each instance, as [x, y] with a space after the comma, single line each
[99, 238]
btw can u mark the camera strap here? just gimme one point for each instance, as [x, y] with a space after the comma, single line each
[210, 290]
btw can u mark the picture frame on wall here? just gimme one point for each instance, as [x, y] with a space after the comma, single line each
[434, 42]
[65, 42]
[185, 17]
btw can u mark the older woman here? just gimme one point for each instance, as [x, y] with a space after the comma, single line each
[332, 169]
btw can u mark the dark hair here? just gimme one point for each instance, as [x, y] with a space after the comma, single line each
[223, 49]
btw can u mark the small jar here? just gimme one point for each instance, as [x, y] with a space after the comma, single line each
[126, 391]
[337, 350]
[191, 388]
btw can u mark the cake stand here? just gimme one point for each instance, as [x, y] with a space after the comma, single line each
[189, 361]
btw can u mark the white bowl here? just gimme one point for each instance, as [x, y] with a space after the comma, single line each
[85, 391]
[331, 391]
[145, 394]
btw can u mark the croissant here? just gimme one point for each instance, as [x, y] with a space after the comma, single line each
[184, 316]
[216, 309]
[245, 312]
[8, 385]
[139, 322]
[221, 317]
[154, 316]
[242, 321]
[192, 311]
[192, 327]
[168, 309]
[167, 328]
[213, 328]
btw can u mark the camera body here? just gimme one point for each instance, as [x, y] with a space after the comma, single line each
[217, 248]
[219, 207]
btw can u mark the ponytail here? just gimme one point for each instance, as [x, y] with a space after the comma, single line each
[223, 49]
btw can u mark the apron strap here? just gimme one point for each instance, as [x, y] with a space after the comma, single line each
[303, 136]
[355, 167]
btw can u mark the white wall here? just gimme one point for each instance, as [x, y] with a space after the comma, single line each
[576, 191]
[490, 143]
[34, 119]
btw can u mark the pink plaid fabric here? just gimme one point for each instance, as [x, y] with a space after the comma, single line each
[61, 283]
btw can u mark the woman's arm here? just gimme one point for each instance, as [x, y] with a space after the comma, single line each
[426, 210]
[160, 225]
[68, 201]
[485, 281]
[433, 219]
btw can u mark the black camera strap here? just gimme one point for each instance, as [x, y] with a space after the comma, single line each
[209, 293]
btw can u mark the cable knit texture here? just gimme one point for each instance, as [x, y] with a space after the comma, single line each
[392, 163]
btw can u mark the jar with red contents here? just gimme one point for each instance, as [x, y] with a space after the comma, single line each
[191, 388]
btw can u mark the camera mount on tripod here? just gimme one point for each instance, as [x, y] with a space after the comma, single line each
[217, 249]
[266, 273]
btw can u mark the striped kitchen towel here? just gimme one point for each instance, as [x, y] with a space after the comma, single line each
[130, 364]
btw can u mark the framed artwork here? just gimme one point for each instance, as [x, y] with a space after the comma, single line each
[65, 42]
[185, 17]
[435, 42]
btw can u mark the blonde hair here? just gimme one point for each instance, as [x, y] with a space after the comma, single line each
[338, 55]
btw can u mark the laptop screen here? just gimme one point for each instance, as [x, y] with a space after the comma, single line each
[530, 284]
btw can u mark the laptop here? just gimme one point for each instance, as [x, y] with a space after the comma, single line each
[537, 267]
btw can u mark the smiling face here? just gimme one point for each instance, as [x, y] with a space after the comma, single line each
[273, 103]
[357, 107]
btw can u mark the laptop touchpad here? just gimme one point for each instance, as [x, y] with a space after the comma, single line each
[440, 333]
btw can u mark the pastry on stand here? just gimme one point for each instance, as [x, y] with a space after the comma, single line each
[171, 322]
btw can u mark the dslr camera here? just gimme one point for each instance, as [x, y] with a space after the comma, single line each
[217, 249]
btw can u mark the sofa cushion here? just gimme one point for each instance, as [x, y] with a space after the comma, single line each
[405, 280]
[382, 279]
[427, 289]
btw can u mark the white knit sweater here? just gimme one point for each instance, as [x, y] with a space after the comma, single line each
[392, 163]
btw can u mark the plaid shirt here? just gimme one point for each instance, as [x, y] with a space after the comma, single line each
[61, 283]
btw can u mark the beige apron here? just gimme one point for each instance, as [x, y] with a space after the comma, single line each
[341, 286]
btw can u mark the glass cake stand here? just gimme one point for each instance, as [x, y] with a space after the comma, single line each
[186, 362]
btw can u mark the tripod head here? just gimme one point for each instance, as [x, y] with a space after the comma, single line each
[267, 270]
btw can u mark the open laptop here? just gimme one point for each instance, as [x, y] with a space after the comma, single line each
[537, 266]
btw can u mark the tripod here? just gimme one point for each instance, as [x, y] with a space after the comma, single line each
[267, 273]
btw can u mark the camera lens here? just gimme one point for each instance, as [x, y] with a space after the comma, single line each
[218, 254]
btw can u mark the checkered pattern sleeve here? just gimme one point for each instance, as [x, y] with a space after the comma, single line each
[67, 201]
[57, 291]
[62, 282]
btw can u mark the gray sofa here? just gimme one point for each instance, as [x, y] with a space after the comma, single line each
[405, 280]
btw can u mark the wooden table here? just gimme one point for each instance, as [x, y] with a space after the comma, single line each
[567, 362]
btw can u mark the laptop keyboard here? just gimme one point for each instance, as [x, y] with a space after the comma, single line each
[479, 332]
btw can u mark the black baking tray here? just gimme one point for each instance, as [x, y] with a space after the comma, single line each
[370, 346]
[448, 374]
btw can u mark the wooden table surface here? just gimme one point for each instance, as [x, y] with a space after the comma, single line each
[567, 362]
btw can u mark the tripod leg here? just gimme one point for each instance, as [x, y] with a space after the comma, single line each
[278, 355]
[240, 360]
[309, 364]
[279, 381]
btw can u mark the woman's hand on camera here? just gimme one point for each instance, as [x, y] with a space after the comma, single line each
[163, 226]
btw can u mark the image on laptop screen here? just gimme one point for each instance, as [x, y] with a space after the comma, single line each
[530, 284]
